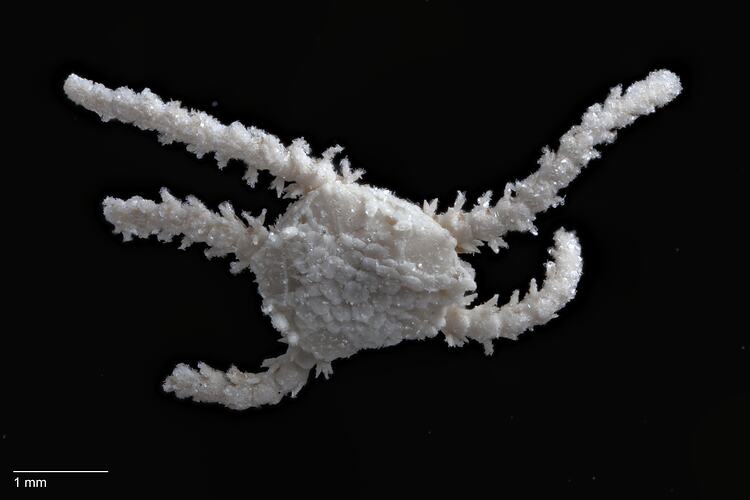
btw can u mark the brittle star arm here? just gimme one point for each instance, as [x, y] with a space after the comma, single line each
[486, 322]
[203, 134]
[285, 374]
[224, 233]
[522, 200]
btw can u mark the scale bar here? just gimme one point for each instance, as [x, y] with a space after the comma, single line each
[60, 471]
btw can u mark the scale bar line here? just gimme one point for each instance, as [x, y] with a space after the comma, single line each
[60, 471]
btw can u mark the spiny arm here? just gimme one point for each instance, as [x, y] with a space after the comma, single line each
[204, 134]
[522, 200]
[224, 233]
[237, 390]
[487, 322]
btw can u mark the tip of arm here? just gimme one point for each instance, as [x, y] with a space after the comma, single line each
[568, 263]
[662, 86]
[74, 86]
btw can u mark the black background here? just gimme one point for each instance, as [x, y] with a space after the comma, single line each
[638, 390]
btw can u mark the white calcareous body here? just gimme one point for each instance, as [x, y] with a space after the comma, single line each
[353, 267]
[350, 266]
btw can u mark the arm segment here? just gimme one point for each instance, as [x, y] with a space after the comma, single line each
[522, 200]
[487, 322]
[204, 134]
[239, 391]
[223, 233]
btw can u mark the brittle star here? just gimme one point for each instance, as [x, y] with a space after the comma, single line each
[350, 266]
